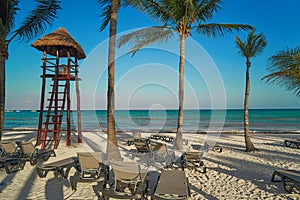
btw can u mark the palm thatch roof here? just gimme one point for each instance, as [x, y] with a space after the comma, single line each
[59, 40]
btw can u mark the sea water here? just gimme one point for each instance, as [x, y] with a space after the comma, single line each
[271, 120]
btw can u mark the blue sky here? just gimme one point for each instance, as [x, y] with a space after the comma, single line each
[214, 72]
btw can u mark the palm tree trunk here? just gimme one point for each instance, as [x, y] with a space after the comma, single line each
[2, 93]
[178, 141]
[3, 57]
[112, 151]
[249, 144]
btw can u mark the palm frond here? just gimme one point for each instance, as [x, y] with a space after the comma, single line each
[285, 70]
[105, 6]
[140, 4]
[241, 46]
[146, 36]
[259, 43]
[8, 10]
[205, 9]
[38, 19]
[214, 29]
[159, 10]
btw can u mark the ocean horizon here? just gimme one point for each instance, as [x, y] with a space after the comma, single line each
[203, 120]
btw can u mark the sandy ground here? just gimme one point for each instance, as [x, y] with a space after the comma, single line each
[231, 174]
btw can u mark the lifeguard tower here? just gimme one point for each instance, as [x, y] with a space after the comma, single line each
[59, 66]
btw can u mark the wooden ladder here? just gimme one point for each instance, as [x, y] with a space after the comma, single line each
[55, 112]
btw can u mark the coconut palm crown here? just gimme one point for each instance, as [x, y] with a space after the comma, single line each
[179, 17]
[253, 46]
[34, 24]
[285, 70]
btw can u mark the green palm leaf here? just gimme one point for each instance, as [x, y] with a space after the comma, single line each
[285, 70]
[8, 10]
[143, 37]
[205, 10]
[38, 19]
[214, 30]
[105, 5]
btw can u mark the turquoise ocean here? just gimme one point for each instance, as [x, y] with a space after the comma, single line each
[270, 120]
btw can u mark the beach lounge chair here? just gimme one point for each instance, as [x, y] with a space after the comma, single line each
[137, 138]
[32, 154]
[62, 166]
[91, 168]
[172, 184]
[161, 154]
[10, 157]
[142, 147]
[162, 137]
[193, 159]
[294, 143]
[289, 178]
[129, 181]
[9, 149]
[11, 164]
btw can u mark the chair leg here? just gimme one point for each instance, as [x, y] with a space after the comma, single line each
[273, 178]
[74, 180]
[33, 160]
[288, 185]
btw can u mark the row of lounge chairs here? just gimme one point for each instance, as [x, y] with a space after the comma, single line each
[293, 143]
[123, 180]
[14, 155]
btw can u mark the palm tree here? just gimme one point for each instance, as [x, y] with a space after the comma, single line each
[285, 70]
[179, 17]
[109, 14]
[252, 47]
[34, 24]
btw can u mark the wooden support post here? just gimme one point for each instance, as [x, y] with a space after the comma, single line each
[68, 102]
[39, 134]
[55, 117]
[78, 103]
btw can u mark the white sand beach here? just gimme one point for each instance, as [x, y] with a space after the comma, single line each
[231, 174]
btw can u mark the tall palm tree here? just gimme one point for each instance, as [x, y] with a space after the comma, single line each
[285, 70]
[110, 14]
[179, 17]
[252, 47]
[34, 24]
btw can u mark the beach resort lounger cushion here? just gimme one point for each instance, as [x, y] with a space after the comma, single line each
[32, 154]
[193, 159]
[11, 164]
[172, 184]
[130, 181]
[61, 166]
[289, 178]
[91, 168]
[295, 143]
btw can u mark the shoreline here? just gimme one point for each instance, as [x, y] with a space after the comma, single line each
[170, 131]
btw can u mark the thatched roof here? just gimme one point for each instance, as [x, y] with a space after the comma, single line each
[59, 40]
